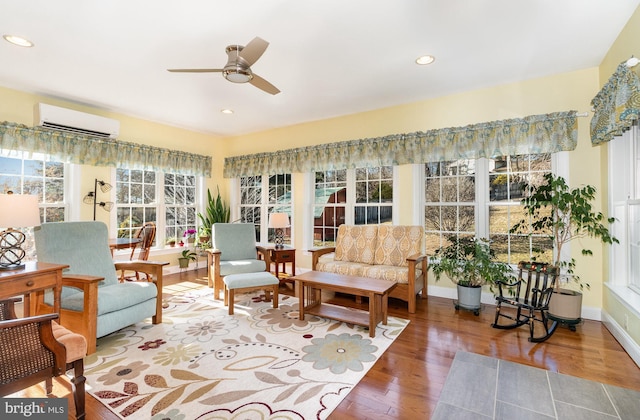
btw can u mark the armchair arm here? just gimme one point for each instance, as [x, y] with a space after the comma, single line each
[316, 253]
[154, 271]
[11, 330]
[266, 255]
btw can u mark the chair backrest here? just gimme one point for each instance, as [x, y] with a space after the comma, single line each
[147, 233]
[540, 279]
[236, 241]
[84, 246]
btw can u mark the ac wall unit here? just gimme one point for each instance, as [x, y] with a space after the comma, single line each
[64, 119]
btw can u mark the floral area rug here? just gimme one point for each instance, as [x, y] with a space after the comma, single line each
[261, 363]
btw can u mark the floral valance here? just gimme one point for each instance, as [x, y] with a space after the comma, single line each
[616, 106]
[96, 151]
[546, 133]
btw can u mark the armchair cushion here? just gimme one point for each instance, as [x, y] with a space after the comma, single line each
[236, 241]
[112, 299]
[242, 266]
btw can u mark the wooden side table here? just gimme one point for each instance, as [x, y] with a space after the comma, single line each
[33, 277]
[283, 256]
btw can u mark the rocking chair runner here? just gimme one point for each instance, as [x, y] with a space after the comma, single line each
[528, 296]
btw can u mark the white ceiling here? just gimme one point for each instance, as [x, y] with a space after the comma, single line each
[328, 57]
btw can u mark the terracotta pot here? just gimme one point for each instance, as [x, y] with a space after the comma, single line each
[566, 305]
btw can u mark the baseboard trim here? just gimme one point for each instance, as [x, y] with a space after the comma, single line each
[628, 344]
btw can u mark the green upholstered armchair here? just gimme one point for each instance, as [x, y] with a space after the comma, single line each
[234, 252]
[93, 302]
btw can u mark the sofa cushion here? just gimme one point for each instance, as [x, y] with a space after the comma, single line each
[342, 267]
[396, 243]
[356, 243]
[389, 273]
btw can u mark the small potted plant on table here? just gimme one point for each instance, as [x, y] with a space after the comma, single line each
[469, 263]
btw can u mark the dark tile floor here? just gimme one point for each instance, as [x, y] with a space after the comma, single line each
[481, 387]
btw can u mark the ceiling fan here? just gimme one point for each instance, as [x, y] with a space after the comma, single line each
[238, 67]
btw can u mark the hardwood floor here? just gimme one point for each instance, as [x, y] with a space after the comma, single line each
[406, 382]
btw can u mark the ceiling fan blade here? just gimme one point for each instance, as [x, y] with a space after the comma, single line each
[195, 70]
[260, 83]
[253, 50]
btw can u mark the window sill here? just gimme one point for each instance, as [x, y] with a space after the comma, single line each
[629, 298]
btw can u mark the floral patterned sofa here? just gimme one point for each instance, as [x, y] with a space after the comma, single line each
[382, 251]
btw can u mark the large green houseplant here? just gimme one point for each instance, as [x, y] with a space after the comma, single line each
[216, 211]
[470, 263]
[564, 214]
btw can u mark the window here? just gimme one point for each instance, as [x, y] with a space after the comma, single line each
[36, 176]
[450, 202]
[261, 196]
[507, 177]
[329, 205]
[481, 198]
[624, 199]
[356, 196]
[169, 200]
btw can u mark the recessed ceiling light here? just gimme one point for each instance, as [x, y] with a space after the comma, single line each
[425, 59]
[227, 111]
[17, 40]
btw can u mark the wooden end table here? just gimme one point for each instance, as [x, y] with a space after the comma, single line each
[33, 277]
[376, 290]
[283, 256]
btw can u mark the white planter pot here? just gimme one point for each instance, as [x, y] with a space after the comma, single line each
[469, 298]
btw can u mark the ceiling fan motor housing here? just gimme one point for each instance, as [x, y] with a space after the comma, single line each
[237, 70]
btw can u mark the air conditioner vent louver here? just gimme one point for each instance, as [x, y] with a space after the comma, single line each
[72, 121]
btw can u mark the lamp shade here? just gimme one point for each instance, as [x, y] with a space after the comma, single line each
[19, 210]
[278, 220]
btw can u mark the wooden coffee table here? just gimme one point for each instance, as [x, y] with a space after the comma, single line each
[310, 284]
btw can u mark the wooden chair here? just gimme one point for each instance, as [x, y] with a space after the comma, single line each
[234, 252]
[146, 234]
[94, 302]
[37, 349]
[525, 301]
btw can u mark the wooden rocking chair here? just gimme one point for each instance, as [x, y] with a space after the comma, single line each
[526, 300]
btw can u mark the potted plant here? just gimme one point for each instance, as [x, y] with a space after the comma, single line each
[186, 256]
[564, 214]
[470, 263]
[216, 211]
[171, 241]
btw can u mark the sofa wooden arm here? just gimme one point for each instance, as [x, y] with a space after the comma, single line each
[316, 253]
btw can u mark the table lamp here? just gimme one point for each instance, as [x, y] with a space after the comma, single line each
[16, 211]
[279, 221]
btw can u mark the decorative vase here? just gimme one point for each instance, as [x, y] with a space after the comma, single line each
[469, 298]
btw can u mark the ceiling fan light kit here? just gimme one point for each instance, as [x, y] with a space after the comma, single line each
[238, 67]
